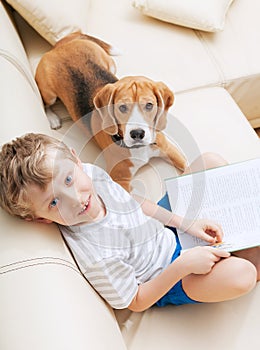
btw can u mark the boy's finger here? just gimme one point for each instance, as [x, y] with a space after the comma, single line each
[216, 231]
[207, 237]
[220, 253]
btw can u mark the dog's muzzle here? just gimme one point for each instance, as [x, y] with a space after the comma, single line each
[137, 135]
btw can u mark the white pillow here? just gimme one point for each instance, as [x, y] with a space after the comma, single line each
[208, 15]
[53, 19]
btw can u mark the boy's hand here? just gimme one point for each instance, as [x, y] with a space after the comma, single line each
[206, 230]
[200, 260]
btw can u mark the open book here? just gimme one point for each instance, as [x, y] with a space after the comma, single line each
[229, 195]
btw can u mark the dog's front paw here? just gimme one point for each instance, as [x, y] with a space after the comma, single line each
[54, 120]
[180, 162]
[183, 166]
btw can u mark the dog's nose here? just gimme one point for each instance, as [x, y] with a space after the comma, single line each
[137, 134]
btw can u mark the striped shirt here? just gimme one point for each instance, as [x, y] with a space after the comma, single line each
[123, 249]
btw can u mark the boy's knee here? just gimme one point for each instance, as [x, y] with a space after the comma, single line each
[245, 276]
[212, 160]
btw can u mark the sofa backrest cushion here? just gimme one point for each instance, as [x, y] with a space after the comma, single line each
[53, 19]
[198, 14]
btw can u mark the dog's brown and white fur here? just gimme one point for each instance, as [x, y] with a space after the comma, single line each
[125, 117]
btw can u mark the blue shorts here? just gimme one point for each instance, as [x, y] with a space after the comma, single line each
[176, 294]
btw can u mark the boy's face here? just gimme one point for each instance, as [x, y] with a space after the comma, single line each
[69, 199]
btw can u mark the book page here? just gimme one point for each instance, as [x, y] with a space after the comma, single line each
[229, 195]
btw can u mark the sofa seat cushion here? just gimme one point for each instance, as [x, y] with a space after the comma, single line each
[196, 326]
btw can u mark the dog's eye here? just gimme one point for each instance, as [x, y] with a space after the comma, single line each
[123, 108]
[149, 106]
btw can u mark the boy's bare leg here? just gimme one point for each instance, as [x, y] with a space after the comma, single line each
[251, 254]
[205, 161]
[229, 279]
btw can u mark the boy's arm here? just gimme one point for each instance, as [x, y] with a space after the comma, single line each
[161, 214]
[198, 260]
[150, 292]
[207, 230]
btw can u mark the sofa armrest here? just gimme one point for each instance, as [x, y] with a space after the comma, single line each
[45, 302]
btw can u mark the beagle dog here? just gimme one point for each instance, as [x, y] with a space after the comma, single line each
[125, 117]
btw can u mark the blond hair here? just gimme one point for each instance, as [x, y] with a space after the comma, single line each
[23, 162]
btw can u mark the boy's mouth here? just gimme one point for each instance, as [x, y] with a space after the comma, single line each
[85, 207]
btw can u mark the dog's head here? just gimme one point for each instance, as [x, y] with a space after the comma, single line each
[134, 108]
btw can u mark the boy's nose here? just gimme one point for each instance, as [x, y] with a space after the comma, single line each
[73, 197]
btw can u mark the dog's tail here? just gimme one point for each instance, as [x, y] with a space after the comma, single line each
[115, 51]
[111, 50]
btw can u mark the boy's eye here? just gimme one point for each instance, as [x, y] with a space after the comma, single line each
[54, 202]
[68, 180]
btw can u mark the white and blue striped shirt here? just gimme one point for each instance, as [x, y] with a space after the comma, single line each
[123, 249]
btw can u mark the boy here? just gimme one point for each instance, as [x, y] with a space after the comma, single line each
[124, 250]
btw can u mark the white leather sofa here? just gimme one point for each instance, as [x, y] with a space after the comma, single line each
[45, 303]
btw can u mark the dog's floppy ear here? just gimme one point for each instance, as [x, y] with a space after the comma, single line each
[104, 103]
[165, 100]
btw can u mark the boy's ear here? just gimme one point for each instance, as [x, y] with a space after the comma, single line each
[41, 220]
